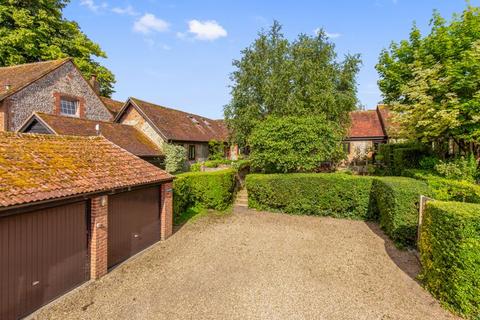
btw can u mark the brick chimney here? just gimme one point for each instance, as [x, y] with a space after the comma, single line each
[94, 83]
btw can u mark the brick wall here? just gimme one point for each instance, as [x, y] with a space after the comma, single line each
[166, 210]
[99, 237]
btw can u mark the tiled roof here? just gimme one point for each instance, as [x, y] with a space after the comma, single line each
[113, 106]
[386, 115]
[182, 126]
[125, 136]
[365, 124]
[41, 167]
[19, 76]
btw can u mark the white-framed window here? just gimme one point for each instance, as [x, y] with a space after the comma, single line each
[69, 107]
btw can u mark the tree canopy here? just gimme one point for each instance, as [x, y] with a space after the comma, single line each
[294, 144]
[278, 77]
[433, 82]
[35, 30]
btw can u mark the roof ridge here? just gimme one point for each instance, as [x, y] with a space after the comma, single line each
[37, 62]
[170, 108]
[48, 136]
[83, 119]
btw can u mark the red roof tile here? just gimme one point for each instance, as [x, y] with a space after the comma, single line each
[124, 136]
[19, 76]
[41, 167]
[365, 124]
[113, 106]
[386, 115]
[182, 126]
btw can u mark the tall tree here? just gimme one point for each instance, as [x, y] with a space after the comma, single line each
[35, 30]
[433, 82]
[281, 78]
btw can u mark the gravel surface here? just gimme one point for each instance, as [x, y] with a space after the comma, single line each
[252, 265]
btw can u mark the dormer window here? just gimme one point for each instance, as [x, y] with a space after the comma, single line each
[69, 107]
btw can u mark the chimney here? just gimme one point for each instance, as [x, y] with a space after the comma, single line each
[94, 83]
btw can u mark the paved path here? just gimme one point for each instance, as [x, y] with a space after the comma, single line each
[251, 265]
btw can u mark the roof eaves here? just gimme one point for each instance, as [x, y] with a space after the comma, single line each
[140, 110]
[35, 116]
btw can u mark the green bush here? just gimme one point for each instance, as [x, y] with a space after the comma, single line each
[450, 255]
[397, 157]
[175, 157]
[216, 150]
[458, 169]
[195, 167]
[212, 190]
[240, 165]
[394, 201]
[329, 194]
[446, 189]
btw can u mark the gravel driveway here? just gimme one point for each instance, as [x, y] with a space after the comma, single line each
[251, 265]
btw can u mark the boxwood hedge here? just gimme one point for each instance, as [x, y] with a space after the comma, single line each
[394, 201]
[450, 255]
[329, 194]
[213, 190]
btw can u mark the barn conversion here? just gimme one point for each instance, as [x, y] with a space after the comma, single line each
[70, 209]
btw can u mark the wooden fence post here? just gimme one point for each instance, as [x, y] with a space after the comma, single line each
[421, 210]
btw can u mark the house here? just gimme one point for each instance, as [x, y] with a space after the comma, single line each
[369, 129]
[124, 136]
[166, 125]
[52, 87]
[113, 106]
[70, 209]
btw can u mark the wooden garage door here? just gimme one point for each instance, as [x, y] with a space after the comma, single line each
[43, 254]
[133, 223]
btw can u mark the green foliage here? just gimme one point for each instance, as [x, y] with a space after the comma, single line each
[211, 190]
[196, 167]
[446, 189]
[331, 194]
[432, 82]
[241, 165]
[292, 144]
[396, 157]
[394, 201]
[276, 77]
[428, 162]
[459, 169]
[175, 157]
[32, 31]
[216, 150]
[450, 255]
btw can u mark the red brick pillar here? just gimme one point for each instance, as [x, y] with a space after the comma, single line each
[166, 210]
[99, 237]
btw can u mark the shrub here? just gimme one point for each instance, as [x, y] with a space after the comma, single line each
[175, 157]
[212, 190]
[394, 201]
[327, 194]
[195, 167]
[397, 157]
[216, 150]
[450, 255]
[446, 189]
[240, 165]
[459, 169]
[292, 144]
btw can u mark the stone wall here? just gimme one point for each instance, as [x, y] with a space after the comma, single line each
[40, 97]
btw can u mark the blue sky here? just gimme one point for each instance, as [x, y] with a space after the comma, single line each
[179, 53]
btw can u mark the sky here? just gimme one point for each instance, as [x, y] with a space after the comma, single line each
[179, 53]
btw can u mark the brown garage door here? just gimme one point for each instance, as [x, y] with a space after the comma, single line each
[43, 254]
[133, 223]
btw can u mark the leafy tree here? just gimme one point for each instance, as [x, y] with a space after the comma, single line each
[35, 30]
[294, 144]
[276, 77]
[215, 150]
[175, 157]
[433, 82]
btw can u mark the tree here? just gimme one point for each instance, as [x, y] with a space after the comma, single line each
[175, 157]
[216, 150]
[276, 77]
[35, 30]
[294, 144]
[433, 82]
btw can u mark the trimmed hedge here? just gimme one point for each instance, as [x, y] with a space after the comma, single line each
[394, 201]
[212, 190]
[397, 157]
[450, 255]
[327, 194]
[447, 189]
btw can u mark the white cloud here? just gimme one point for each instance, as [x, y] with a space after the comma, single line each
[148, 23]
[92, 5]
[206, 30]
[331, 35]
[128, 10]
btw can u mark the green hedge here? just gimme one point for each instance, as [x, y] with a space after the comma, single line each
[397, 157]
[329, 194]
[394, 201]
[447, 189]
[450, 255]
[213, 190]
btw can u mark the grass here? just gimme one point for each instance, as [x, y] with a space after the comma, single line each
[196, 212]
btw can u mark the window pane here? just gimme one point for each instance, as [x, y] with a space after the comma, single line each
[68, 107]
